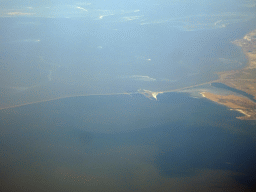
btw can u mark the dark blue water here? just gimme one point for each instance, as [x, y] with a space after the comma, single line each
[125, 143]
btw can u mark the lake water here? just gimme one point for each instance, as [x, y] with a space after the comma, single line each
[126, 143]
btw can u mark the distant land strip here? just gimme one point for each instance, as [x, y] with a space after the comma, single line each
[244, 80]
[148, 94]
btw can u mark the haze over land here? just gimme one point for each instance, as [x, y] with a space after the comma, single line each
[106, 95]
[56, 50]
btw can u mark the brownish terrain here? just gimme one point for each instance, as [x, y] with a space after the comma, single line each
[244, 80]
[240, 104]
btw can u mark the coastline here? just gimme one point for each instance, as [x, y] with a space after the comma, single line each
[243, 80]
[241, 104]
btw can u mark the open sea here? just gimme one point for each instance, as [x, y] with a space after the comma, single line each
[126, 143]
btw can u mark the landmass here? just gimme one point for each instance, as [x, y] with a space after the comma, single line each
[240, 104]
[244, 80]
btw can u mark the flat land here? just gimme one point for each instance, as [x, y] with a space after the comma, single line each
[240, 104]
[244, 80]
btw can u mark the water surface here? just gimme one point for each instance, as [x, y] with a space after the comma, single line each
[125, 143]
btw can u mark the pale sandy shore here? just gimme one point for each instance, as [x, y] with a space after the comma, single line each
[244, 80]
[238, 103]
